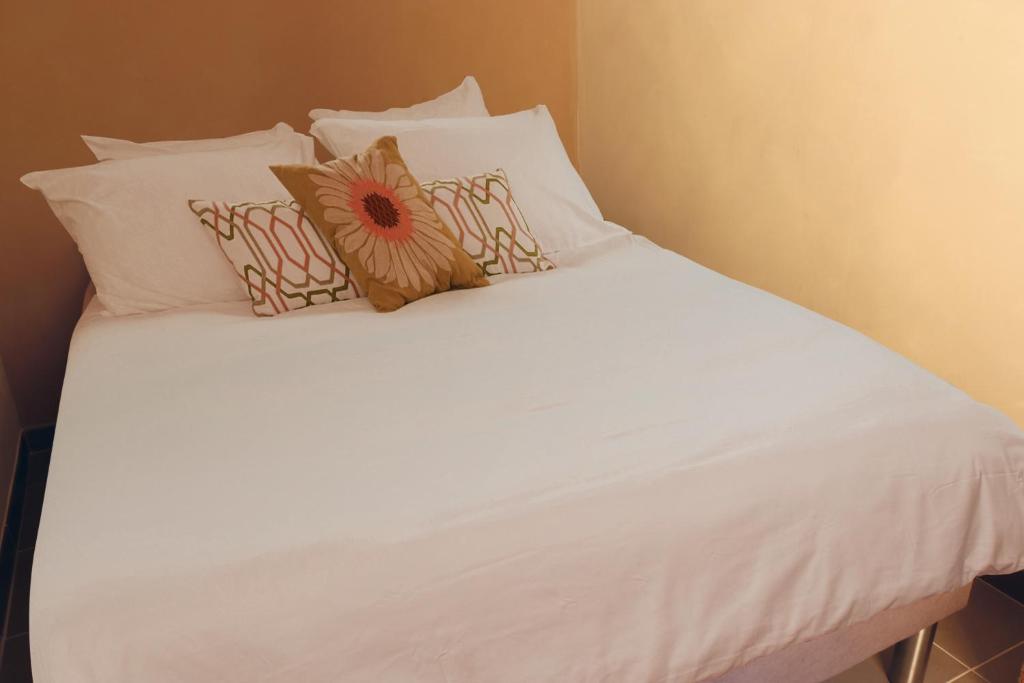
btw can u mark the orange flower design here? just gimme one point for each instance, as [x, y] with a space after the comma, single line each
[382, 218]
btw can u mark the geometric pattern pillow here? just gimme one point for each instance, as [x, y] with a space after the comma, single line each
[284, 261]
[482, 214]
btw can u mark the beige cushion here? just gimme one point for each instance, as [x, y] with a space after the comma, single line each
[382, 225]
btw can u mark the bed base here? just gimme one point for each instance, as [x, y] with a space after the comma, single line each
[818, 659]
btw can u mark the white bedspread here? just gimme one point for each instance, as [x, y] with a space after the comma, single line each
[627, 469]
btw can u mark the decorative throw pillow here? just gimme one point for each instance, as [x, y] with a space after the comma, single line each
[373, 210]
[486, 219]
[284, 261]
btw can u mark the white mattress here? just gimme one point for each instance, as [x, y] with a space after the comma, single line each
[627, 469]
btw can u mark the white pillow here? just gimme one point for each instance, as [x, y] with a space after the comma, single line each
[464, 101]
[141, 243]
[113, 148]
[549, 191]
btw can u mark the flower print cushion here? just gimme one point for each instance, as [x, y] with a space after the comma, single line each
[372, 209]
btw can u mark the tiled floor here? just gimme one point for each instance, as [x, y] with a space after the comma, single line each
[984, 643]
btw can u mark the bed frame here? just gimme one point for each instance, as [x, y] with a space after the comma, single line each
[911, 627]
[910, 657]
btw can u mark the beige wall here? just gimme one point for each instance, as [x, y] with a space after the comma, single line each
[863, 158]
[195, 68]
[10, 433]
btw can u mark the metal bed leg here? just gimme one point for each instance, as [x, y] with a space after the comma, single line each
[910, 658]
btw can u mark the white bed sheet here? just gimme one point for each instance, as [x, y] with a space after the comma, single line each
[627, 469]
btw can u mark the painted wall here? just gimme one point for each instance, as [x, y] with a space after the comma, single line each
[192, 68]
[10, 434]
[864, 159]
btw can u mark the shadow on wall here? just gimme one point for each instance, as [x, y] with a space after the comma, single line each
[862, 159]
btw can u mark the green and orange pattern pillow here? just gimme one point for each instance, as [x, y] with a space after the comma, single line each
[485, 218]
[380, 221]
[283, 260]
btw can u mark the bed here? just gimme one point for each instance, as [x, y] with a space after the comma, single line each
[630, 468]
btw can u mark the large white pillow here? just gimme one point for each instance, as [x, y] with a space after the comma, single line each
[465, 100]
[141, 243]
[549, 191]
[113, 148]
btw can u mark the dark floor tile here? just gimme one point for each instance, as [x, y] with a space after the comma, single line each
[991, 623]
[31, 512]
[942, 667]
[1011, 584]
[1007, 668]
[37, 468]
[17, 616]
[39, 438]
[16, 667]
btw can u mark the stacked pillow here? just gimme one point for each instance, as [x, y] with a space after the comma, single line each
[525, 144]
[112, 148]
[361, 225]
[465, 101]
[132, 223]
